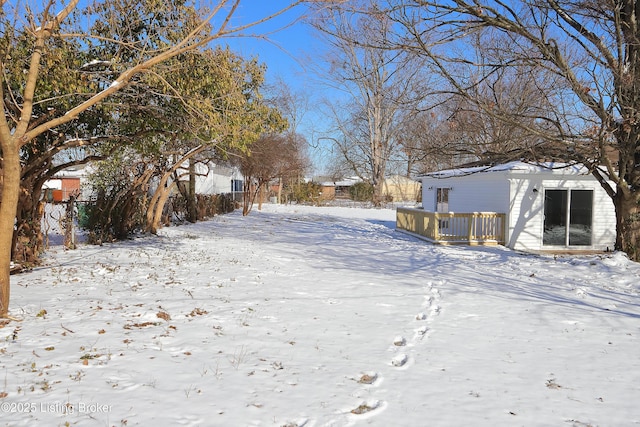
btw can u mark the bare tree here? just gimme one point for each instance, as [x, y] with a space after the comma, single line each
[272, 156]
[427, 145]
[499, 119]
[590, 49]
[380, 84]
[292, 104]
[18, 127]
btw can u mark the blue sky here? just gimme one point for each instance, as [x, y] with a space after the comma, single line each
[288, 42]
[286, 52]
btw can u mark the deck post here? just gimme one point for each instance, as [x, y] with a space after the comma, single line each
[436, 226]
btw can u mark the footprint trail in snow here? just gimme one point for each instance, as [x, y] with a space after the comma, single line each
[402, 359]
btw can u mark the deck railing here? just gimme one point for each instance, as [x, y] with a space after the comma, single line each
[476, 228]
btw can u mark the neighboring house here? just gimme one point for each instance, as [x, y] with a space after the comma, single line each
[343, 187]
[529, 207]
[209, 179]
[214, 178]
[66, 183]
[336, 189]
[327, 190]
[395, 187]
[399, 188]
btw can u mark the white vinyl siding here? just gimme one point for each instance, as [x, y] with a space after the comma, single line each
[520, 195]
[526, 218]
[472, 193]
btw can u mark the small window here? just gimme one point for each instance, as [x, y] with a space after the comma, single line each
[236, 186]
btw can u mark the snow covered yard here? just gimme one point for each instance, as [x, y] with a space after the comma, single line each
[320, 317]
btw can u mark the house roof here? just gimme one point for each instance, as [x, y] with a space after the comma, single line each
[515, 167]
[345, 182]
[79, 171]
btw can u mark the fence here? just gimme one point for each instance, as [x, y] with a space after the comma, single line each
[59, 223]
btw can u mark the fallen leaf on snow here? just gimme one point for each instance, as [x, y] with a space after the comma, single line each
[163, 315]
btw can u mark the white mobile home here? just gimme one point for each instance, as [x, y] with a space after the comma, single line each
[529, 207]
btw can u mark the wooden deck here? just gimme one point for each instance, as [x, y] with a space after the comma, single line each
[476, 228]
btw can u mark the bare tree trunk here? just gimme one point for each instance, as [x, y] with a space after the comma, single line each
[378, 182]
[69, 228]
[249, 195]
[261, 194]
[279, 190]
[159, 208]
[627, 206]
[192, 208]
[152, 218]
[152, 224]
[246, 196]
[8, 207]
[28, 242]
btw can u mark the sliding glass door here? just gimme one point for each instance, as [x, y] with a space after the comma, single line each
[567, 217]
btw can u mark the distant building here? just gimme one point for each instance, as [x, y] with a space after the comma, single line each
[71, 181]
[398, 188]
[336, 189]
[214, 178]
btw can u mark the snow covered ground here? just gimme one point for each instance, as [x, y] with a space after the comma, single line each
[303, 316]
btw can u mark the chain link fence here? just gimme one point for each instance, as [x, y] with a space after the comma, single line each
[64, 222]
[60, 224]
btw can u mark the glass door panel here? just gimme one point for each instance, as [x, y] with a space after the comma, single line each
[555, 217]
[580, 215]
[442, 200]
